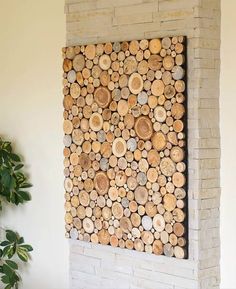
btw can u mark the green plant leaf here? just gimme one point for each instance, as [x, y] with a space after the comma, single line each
[22, 254]
[12, 264]
[11, 236]
[4, 243]
[27, 247]
[25, 195]
[18, 167]
[15, 158]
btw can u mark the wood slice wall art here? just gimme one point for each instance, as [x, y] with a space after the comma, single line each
[125, 144]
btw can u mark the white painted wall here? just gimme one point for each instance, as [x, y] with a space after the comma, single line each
[228, 143]
[31, 36]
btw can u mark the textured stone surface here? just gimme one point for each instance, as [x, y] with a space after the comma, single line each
[94, 21]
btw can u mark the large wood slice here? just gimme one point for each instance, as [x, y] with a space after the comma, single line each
[160, 114]
[158, 223]
[169, 202]
[167, 167]
[135, 83]
[157, 247]
[88, 225]
[125, 225]
[79, 62]
[90, 51]
[155, 46]
[155, 62]
[102, 96]
[157, 87]
[103, 237]
[130, 65]
[101, 183]
[143, 128]
[117, 210]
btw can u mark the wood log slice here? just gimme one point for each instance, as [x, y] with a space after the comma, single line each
[96, 121]
[88, 225]
[178, 179]
[125, 225]
[158, 223]
[155, 46]
[157, 247]
[157, 87]
[117, 210]
[141, 195]
[102, 96]
[169, 202]
[159, 141]
[155, 62]
[101, 183]
[105, 62]
[143, 128]
[103, 237]
[79, 62]
[119, 147]
[167, 167]
[135, 83]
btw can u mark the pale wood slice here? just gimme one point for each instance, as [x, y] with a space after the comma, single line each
[177, 154]
[113, 193]
[94, 238]
[134, 47]
[157, 87]
[125, 225]
[68, 184]
[102, 96]
[143, 44]
[104, 78]
[153, 158]
[178, 229]
[101, 202]
[151, 209]
[160, 114]
[117, 210]
[169, 202]
[101, 183]
[74, 159]
[105, 62]
[103, 237]
[143, 128]
[167, 167]
[75, 90]
[120, 179]
[79, 62]
[88, 225]
[132, 183]
[178, 215]
[178, 125]
[141, 195]
[84, 198]
[96, 121]
[71, 76]
[122, 107]
[155, 62]
[168, 250]
[177, 72]
[147, 223]
[135, 219]
[152, 175]
[67, 126]
[172, 138]
[90, 51]
[119, 147]
[67, 65]
[159, 141]
[68, 218]
[178, 179]
[169, 91]
[77, 223]
[130, 65]
[142, 98]
[166, 42]
[179, 59]
[106, 213]
[180, 193]
[143, 67]
[173, 239]
[147, 237]
[155, 46]
[179, 252]
[158, 223]
[135, 83]
[133, 206]
[167, 77]
[181, 242]
[168, 62]
[81, 212]
[138, 245]
[164, 237]
[177, 110]
[132, 144]
[157, 247]
[180, 86]
[68, 102]
[179, 48]
[114, 241]
[152, 101]
[129, 244]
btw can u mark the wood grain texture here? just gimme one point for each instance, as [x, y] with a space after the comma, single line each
[125, 144]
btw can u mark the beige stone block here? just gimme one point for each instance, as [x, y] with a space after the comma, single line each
[165, 5]
[138, 17]
[172, 15]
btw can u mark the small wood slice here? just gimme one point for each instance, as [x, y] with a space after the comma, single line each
[177, 110]
[117, 210]
[179, 252]
[96, 121]
[135, 219]
[167, 167]
[157, 87]
[138, 245]
[84, 198]
[159, 141]
[67, 65]
[130, 65]
[178, 215]
[155, 62]
[168, 62]
[177, 154]
[168, 250]
[75, 90]
[125, 225]
[67, 127]
[88, 225]
[151, 209]
[158, 223]
[101, 183]
[79, 62]
[152, 175]
[147, 223]
[143, 128]
[141, 195]
[134, 47]
[68, 102]
[90, 51]
[153, 158]
[169, 202]
[178, 179]
[119, 147]
[68, 184]
[102, 96]
[147, 237]
[157, 247]
[178, 229]
[114, 241]
[160, 114]
[135, 83]
[155, 46]
[105, 62]
[103, 237]
[122, 107]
